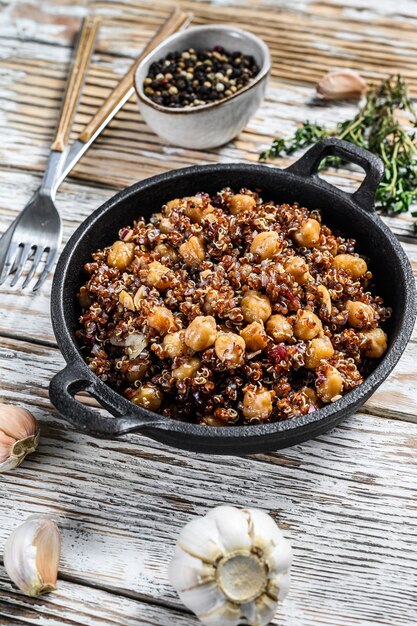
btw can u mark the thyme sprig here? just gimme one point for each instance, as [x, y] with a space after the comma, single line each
[377, 127]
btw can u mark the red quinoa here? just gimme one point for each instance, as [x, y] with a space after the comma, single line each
[227, 310]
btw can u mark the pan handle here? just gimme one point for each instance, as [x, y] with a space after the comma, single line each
[309, 163]
[74, 378]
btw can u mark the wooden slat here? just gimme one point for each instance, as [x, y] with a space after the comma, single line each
[32, 84]
[78, 605]
[346, 500]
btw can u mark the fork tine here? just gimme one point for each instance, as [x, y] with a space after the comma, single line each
[27, 248]
[10, 259]
[36, 260]
[48, 264]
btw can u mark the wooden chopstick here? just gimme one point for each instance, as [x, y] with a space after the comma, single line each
[75, 82]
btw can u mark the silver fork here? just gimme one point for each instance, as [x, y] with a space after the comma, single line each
[37, 230]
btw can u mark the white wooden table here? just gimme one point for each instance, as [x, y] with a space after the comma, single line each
[347, 500]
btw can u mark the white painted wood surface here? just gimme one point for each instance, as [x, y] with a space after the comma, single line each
[347, 500]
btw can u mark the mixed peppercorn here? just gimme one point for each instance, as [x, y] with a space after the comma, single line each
[193, 78]
[225, 309]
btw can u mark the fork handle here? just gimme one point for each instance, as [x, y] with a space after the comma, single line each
[75, 82]
[174, 23]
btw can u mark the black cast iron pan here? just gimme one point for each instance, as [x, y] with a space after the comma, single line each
[351, 214]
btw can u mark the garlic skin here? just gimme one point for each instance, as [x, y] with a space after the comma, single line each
[341, 84]
[232, 567]
[19, 435]
[31, 556]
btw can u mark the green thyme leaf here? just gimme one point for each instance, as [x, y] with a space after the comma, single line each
[376, 127]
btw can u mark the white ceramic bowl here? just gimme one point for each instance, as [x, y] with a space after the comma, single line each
[216, 123]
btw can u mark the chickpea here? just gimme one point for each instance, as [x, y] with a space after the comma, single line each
[192, 251]
[360, 314]
[136, 370]
[195, 209]
[187, 369]
[166, 226]
[161, 319]
[307, 325]
[201, 333]
[353, 265]
[173, 204]
[279, 328]
[157, 275]
[312, 396]
[174, 344]
[210, 301]
[325, 298]
[329, 384]
[84, 298]
[297, 267]
[241, 202]
[254, 336]
[211, 420]
[230, 349]
[166, 251]
[121, 254]
[149, 397]
[257, 404]
[376, 343]
[255, 307]
[318, 349]
[308, 235]
[266, 244]
[246, 270]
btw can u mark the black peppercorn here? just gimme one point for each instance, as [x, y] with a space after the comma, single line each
[193, 78]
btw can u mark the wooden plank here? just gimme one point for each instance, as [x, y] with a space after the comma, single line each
[80, 605]
[346, 500]
[31, 86]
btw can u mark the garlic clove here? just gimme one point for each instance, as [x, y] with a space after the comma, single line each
[341, 84]
[280, 558]
[17, 422]
[265, 609]
[186, 571]
[227, 615]
[233, 527]
[204, 598]
[263, 530]
[19, 435]
[31, 556]
[6, 447]
[279, 586]
[201, 539]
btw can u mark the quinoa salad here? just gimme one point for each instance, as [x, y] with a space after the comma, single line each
[225, 309]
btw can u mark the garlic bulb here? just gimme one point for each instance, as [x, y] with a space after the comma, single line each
[232, 567]
[19, 435]
[341, 84]
[31, 556]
